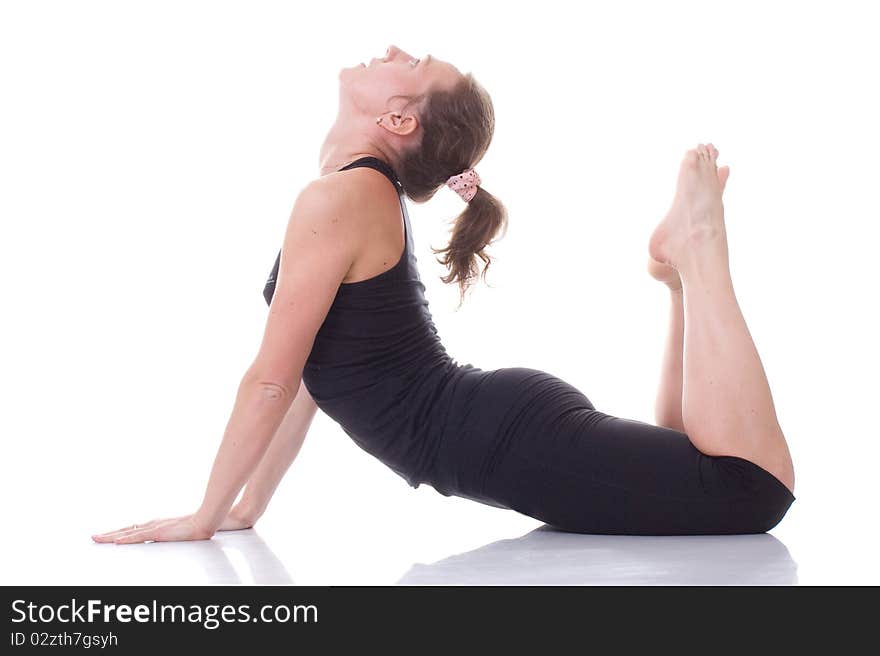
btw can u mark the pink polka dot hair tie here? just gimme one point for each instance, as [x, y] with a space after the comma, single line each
[465, 184]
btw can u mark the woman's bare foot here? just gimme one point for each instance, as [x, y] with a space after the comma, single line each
[665, 273]
[697, 213]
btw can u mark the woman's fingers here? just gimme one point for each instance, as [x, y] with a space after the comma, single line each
[119, 530]
[146, 532]
[158, 530]
[112, 535]
[178, 529]
[141, 535]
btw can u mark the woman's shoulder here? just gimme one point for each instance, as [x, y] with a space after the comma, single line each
[350, 183]
[360, 192]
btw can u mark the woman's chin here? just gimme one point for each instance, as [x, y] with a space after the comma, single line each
[356, 67]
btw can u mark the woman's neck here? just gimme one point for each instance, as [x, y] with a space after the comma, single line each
[344, 144]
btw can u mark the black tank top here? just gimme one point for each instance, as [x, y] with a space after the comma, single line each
[377, 366]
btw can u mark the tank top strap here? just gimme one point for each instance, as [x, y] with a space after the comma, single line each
[378, 164]
[383, 167]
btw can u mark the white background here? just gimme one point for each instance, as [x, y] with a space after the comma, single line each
[150, 153]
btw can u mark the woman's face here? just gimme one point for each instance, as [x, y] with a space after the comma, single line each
[370, 86]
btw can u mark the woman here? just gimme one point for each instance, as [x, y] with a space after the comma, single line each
[349, 331]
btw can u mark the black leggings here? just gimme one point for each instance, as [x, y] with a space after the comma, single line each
[531, 442]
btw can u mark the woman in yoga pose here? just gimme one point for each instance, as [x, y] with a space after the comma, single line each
[349, 331]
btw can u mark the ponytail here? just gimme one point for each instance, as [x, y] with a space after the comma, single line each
[457, 127]
[474, 229]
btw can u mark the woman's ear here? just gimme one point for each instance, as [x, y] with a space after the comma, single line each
[398, 124]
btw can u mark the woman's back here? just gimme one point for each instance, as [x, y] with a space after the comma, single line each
[377, 365]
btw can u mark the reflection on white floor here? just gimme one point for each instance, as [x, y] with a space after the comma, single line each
[429, 540]
[551, 557]
[541, 556]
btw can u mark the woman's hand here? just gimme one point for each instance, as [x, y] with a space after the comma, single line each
[174, 529]
[238, 519]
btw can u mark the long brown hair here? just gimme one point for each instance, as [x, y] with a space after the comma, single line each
[457, 126]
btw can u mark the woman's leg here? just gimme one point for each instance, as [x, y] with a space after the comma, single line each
[529, 441]
[667, 408]
[727, 407]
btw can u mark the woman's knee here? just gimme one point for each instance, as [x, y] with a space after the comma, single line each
[770, 499]
[770, 511]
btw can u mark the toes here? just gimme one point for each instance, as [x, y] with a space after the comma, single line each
[723, 174]
[713, 152]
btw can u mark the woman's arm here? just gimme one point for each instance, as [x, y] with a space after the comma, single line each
[260, 407]
[280, 455]
[324, 235]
